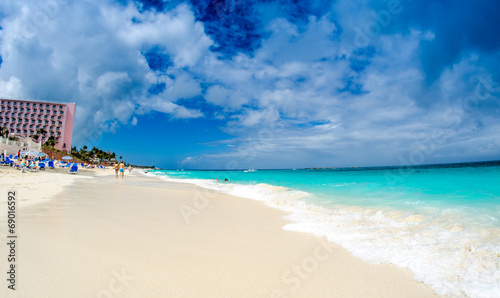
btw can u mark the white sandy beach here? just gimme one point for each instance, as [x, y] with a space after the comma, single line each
[97, 236]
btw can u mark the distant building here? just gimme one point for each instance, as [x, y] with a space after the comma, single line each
[25, 117]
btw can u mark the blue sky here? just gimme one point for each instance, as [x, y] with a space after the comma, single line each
[265, 84]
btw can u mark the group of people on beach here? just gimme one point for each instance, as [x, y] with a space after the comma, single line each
[22, 162]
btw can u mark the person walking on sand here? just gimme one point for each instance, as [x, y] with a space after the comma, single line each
[121, 166]
[116, 170]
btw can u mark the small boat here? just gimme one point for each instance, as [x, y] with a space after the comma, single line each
[250, 170]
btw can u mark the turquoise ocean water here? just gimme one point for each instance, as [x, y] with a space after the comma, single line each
[442, 222]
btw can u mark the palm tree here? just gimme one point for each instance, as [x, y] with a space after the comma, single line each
[51, 141]
[41, 132]
[4, 132]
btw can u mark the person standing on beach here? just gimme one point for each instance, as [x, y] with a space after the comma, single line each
[121, 166]
[116, 170]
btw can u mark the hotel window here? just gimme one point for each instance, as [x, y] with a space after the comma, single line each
[34, 110]
[18, 131]
[51, 133]
[40, 105]
[60, 123]
[47, 106]
[46, 122]
[21, 109]
[59, 117]
[61, 112]
[51, 117]
[60, 107]
[11, 125]
[20, 104]
[17, 125]
[14, 104]
[46, 116]
[28, 110]
[57, 128]
[52, 122]
[25, 131]
[27, 104]
[58, 133]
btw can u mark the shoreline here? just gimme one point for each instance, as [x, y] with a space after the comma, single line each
[107, 228]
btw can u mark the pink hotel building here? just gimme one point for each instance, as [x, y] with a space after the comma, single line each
[25, 117]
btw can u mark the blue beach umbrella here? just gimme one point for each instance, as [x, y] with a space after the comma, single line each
[67, 157]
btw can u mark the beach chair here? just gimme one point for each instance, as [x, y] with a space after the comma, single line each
[41, 166]
[74, 169]
[51, 165]
[7, 162]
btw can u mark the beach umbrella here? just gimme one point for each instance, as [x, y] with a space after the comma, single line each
[67, 157]
[30, 153]
[40, 154]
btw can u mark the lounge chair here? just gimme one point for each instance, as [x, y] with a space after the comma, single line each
[7, 162]
[74, 169]
[51, 165]
[41, 165]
